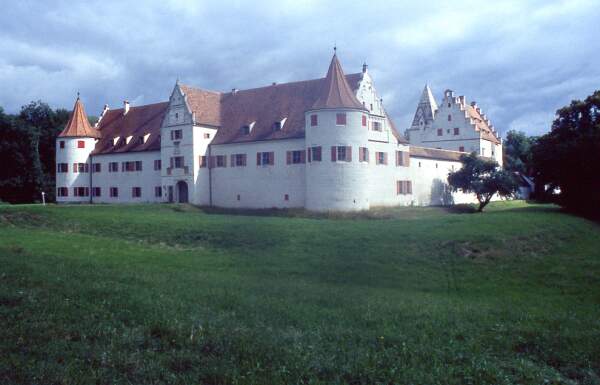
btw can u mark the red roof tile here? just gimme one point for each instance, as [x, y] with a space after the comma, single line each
[78, 124]
[335, 91]
[486, 131]
[435, 153]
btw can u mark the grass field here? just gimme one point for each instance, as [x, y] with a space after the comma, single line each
[161, 294]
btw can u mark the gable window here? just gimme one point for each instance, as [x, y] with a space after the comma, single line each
[381, 158]
[157, 164]
[202, 161]
[440, 132]
[376, 126]
[62, 144]
[136, 192]
[96, 167]
[363, 154]
[340, 119]
[449, 118]
[449, 105]
[402, 158]
[364, 120]
[207, 136]
[113, 167]
[114, 192]
[62, 192]
[341, 154]
[62, 167]
[81, 144]
[314, 120]
[176, 134]
[456, 131]
[265, 158]
[158, 191]
[295, 157]
[238, 160]
[96, 191]
[314, 154]
[403, 187]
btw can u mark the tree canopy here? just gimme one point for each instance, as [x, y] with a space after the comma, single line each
[482, 177]
[517, 152]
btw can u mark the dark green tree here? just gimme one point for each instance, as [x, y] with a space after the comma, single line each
[517, 152]
[568, 157]
[482, 177]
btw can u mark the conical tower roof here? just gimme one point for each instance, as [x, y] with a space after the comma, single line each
[426, 108]
[78, 124]
[335, 91]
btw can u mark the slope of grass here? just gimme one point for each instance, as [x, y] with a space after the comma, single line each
[160, 294]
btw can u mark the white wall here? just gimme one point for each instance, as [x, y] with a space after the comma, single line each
[72, 154]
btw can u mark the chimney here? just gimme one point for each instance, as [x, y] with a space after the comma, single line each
[125, 107]
[274, 84]
[365, 68]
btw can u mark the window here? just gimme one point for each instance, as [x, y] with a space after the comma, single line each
[221, 161]
[461, 149]
[62, 192]
[176, 134]
[81, 144]
[239, 197]
[371, 107]
[202, 161]
[62, 145]
[363, 154]
[440, 132]
[96, 167]
[364, 120]
[286, 197]
[138, 165]
[381, 158]
[245, 130]
[314, 120]
[207, 136]
[295, 157]
[314, 154]
[456, 131]
[177, 162]
[341, 154]
[340, 119]
[403, 187]
[238, 160]
[157, 164]
[136, 192]
[81, 191]
[376, 126]
[158, 191]
[265, 158]
[113, 167]
[62, 167]
[277, 126]
[81, 167]
[449, 118]
[449, 105]
[114, 192]
[96, 191]
[131, 166]
[402, 158]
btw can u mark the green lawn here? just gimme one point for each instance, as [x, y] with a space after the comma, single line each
[162, 294]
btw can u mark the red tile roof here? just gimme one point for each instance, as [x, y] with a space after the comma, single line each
[486, 131]
[435, 153]
[78, 124]
[335, 91]
[138, 122]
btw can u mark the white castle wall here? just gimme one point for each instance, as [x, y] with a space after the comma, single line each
[147, 179]
[72, 154]
[261, 186]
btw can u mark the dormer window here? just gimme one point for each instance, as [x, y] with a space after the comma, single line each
[145, 138]
[247, 128]
[278, 126]
[128, 139]
[116, 140]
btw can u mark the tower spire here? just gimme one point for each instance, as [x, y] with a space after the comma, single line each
[335, 91]
[78, 124]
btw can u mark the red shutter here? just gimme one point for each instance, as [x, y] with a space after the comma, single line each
[258, 158]
[333, 153]
[232, 160]
[244, 160]
[348, 154]
[288, 157]
[406, 158]
[364, 121]
[302, 157]
[385, 158]
[271, 158]
[409, 187]
[398, 161]
[308, 155]
[318, 153]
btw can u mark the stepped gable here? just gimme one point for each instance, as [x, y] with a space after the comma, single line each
[335, 91]
[486, 131]
[78, 124]
[137, 122]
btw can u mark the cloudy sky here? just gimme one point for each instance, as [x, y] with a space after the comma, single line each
[520, 60]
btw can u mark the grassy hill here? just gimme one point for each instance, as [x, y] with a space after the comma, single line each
[173, 294]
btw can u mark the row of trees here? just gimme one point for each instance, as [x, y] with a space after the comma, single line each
[27, 152]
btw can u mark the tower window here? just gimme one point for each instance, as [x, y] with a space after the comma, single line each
[62, 144]
[80, 144]
[456, 131]
[314, 120]
[340, 119]
[364, 120]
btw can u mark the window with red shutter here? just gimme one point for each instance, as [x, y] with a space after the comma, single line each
[271, 158]
[314, 120]
[456, 131]
[80, 144]
[348, 154]
[333, 153]
[308, 155]
[62, 144]
[258, 156]
[364, 120]
[288, 157]
[340, 119]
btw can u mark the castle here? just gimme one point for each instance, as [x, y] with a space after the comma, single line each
[322, 144]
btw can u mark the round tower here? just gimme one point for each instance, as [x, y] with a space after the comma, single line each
[336, 133]
[73, 148]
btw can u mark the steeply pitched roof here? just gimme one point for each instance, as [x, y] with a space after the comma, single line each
[486, 130]
[206, 105]
[428, 105]
[137, 123]
[78, 124]
[335, 91]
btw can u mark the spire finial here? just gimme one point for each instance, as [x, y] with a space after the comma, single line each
[77, 95]
[334, 48]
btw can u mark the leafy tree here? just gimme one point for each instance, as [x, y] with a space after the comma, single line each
[482, 177]
[517, 152]
[568, 157]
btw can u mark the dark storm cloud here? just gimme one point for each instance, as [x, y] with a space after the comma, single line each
[520, 61]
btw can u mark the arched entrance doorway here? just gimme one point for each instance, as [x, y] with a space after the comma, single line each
[182, 192]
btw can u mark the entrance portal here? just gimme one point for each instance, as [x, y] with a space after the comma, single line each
[182, 192]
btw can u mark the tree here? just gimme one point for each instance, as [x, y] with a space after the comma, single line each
[517, 152]
[568, 157]
[482, 177]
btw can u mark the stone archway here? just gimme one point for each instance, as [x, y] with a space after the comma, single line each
[182, 192]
